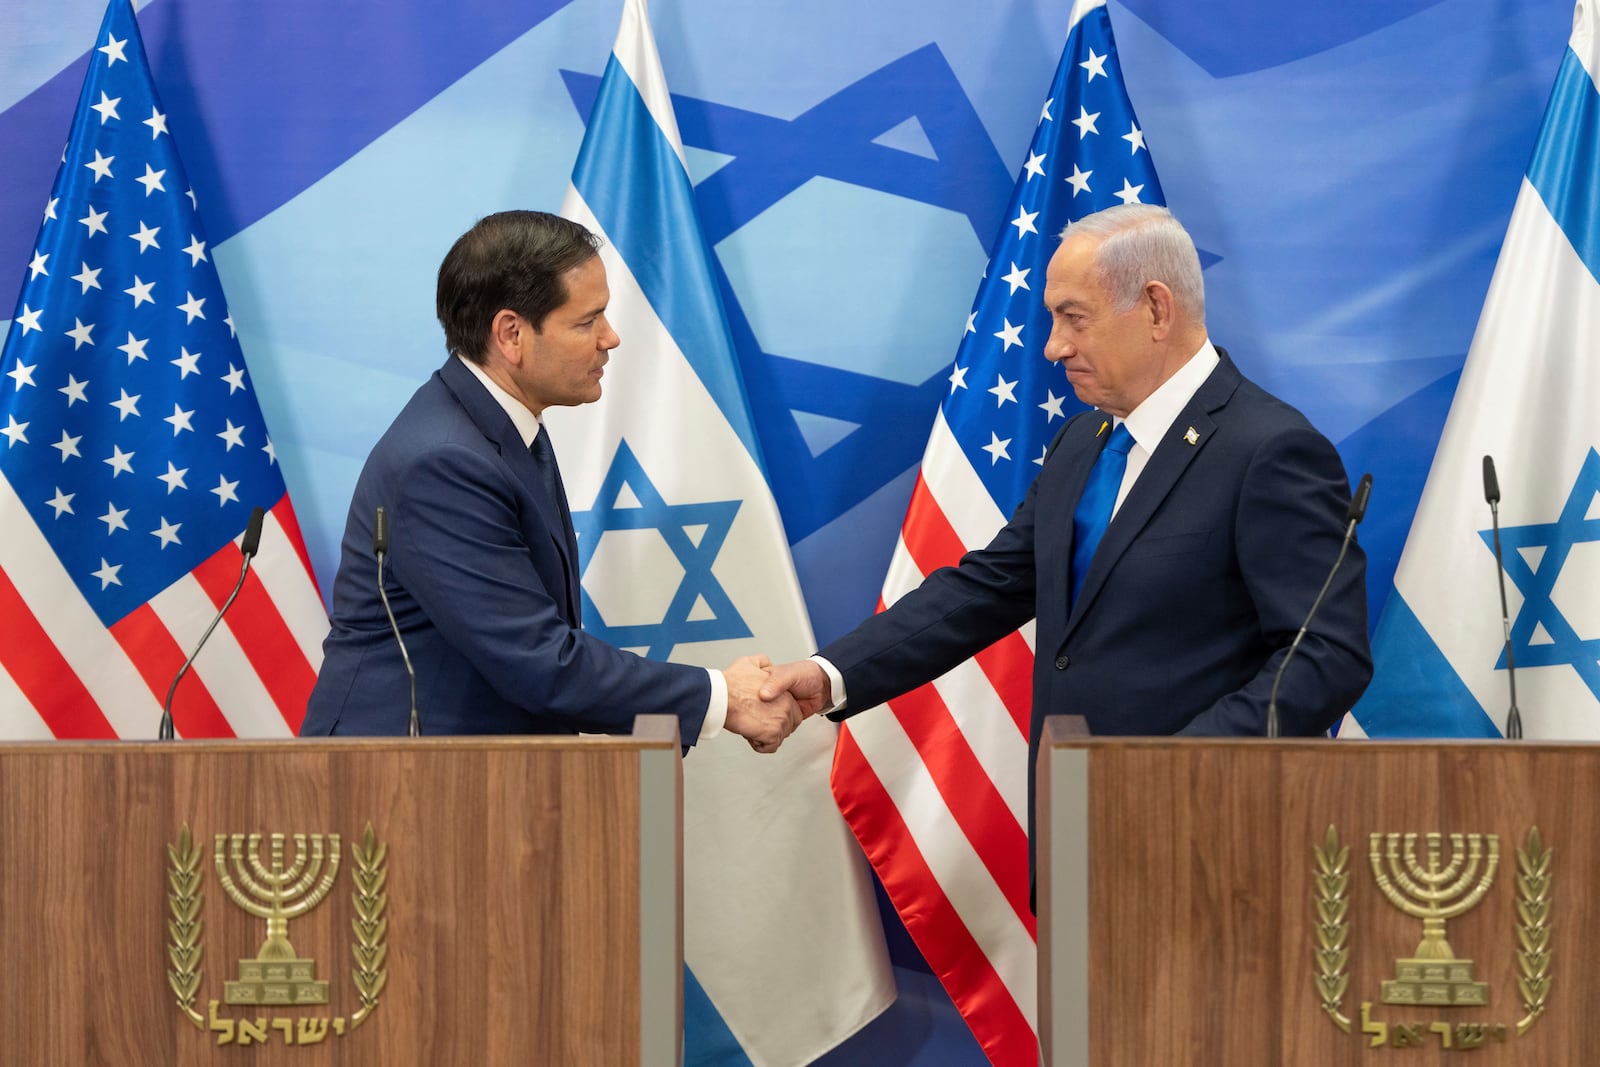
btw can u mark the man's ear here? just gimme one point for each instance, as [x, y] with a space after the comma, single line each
[1162, 308]
[506, 335]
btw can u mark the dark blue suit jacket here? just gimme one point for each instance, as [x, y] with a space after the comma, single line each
[1193, 597]
[481, 581]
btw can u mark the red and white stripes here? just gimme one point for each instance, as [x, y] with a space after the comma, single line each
[934, 784]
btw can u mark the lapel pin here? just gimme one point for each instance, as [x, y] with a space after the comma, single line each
[1102, 428]
[1191, 436]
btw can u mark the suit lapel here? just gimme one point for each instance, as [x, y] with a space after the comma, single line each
[1168, 462]
[490, 418]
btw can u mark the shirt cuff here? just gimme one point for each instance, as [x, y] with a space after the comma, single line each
[717, 710]
[836, 681]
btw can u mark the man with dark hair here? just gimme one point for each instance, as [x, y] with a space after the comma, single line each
[482, 567]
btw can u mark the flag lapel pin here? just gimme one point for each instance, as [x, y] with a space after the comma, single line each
[1190, 435]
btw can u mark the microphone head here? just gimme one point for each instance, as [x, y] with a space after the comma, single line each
[1358, 503]
[1491, 484]
[380, 531]
[252, 533]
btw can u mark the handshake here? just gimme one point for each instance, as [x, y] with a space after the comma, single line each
[766, 702]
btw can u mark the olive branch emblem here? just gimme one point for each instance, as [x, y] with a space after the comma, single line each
[184, 925]
[1533, 927]
[1333, 925]
[370, 924]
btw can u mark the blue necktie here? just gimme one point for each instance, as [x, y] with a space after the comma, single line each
[544, 458]
[1093, 513]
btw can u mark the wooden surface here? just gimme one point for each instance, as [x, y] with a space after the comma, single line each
[1201, 895]
[512, 881]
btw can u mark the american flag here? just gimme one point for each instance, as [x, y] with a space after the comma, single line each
[132, 450]
[935, 789]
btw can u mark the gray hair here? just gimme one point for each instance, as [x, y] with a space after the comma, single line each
[1141, 243]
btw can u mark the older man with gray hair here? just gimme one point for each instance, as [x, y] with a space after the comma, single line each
[1171, 545]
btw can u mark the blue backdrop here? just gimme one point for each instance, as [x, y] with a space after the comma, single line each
[1350, 168]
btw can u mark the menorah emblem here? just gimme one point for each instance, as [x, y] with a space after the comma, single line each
[1433, 892]
[276, 893]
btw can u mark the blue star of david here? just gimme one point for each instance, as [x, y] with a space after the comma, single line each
[672, 522]
[1537, 581]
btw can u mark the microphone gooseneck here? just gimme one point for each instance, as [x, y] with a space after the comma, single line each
[380, 549]
[248, 545]
[1353, 517]
[1491, 495]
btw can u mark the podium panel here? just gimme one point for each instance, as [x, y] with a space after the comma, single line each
[373, 902]
[1317, 903]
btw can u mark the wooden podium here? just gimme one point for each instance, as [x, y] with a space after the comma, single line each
[1194, 909]
[516, 900]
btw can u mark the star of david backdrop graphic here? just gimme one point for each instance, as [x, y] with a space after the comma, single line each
[1349, 172]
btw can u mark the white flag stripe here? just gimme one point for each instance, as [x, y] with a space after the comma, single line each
[966, 691]
[186, 610]
[968, 507]
[72, 626]
[1080, 9]
[22, 722]
[983, 909]
[903, 575]
[283, 575]
[1582, 42]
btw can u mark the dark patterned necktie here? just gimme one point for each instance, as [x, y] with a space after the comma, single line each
[544, 458]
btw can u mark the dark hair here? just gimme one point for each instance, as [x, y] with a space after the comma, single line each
[511, 260]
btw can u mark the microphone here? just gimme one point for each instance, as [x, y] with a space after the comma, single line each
[247, 547]
[380, 548]
[1491, 495]
[1358, 511]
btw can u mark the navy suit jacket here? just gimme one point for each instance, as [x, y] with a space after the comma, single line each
[1201, 582]
[483, 584]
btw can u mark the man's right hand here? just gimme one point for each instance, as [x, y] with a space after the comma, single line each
[804, 680]
[762, 722]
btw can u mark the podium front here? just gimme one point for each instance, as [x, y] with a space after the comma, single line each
[1264, 903]
[475, 900]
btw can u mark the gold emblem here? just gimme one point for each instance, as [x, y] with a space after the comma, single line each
[1192, 436]
[1434, 891]
[276, 890]
[1433, 887]
[276, 893]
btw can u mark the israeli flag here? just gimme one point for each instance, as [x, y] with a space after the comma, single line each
[1529, 397]
[684, 557]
